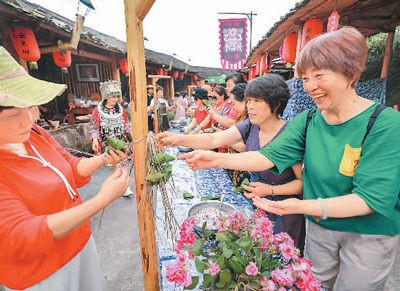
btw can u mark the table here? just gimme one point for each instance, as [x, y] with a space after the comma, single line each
[212, 182]
[77, 111]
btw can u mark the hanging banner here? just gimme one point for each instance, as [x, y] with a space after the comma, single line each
[233, 43]
[333, 22]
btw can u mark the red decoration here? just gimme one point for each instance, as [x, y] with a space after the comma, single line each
[311, 29]
[25, 43]
[195, 77]
[289, 48]
[258, 67]
[181, 76]
[333, 22]
[123, 64]
[197, 83]
[252, 73]
[175, 74]
[244, 76]
[62, 58]
[266, 63]
[160, 72]
[165, 73]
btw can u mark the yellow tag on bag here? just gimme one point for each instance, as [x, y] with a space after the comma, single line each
[350, 159]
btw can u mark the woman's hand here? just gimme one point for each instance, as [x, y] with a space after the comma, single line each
[95, 145]
[256, 189]
[168, 138]
[115, 185]
[200, 159]
[287, 206]
[114, 157]
[212, 111]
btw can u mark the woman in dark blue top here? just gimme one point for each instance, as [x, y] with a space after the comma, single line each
[267, 96]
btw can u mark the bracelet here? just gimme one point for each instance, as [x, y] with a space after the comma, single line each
[272, 191]
[324, 208]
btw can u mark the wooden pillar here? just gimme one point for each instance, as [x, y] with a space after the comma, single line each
[298, 48]
[115, 69]
[171, 87]
[135, 11]
[156, 128]
[386, 58]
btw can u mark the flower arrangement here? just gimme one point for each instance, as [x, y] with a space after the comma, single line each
[245, 255]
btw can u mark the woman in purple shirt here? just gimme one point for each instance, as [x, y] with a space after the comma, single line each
[267, 97]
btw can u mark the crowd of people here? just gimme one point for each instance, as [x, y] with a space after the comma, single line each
[329, 177]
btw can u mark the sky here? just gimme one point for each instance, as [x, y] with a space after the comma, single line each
[186, 28]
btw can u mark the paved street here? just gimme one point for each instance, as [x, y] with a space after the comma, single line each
[117, 239]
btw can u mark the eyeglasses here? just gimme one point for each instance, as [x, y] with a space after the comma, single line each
[212, 97]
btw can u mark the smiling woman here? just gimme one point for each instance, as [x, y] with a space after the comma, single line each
[45, 234]
[351, 176]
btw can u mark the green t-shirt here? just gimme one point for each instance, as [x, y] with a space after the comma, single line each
[377, 176]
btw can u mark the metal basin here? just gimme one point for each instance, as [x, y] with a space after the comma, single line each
[210, 213]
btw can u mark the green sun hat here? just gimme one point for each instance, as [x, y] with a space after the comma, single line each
[18, 89]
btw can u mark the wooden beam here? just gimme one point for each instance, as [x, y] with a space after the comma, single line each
[159, 76]
[90, 55]
[155, 105]
[298, 48]
[115, 69]
[138, 96]
[386, 58]
[143, 7]
[171, 88]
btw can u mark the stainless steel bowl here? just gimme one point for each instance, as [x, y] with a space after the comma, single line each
[225, 210]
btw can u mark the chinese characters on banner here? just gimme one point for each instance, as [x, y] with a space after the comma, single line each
[233, 43]
[333, 22]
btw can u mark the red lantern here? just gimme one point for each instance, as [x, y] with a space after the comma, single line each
[181, 76]
[62, 59]
[197, 83]
[165, 73]
[160, 72]
[289, 48]
[311, 29]
[266, 63]
[333, 22]
[175, 74]
[252, 73]
[258, 68]
[25, 44]
[123, 64]
[195, 77]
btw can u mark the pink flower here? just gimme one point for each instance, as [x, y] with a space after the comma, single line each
[235, 221]
[287, 251]
[307, 282]
[267, 285]
[259, 213]
[301, 265]
[176, 273]
[214, 268]
[283, 277]
[182, 257]
[188, 281]
[221, 227]
[284, 237]
[262, 228]
[252, 269]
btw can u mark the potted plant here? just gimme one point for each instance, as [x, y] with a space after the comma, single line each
[245, 255]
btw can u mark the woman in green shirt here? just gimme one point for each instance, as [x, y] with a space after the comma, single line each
[351, 178]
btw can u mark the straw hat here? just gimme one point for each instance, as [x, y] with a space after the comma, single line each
[18, 89]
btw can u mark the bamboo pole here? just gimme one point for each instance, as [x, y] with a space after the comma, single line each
[137, 86]
[386, 58]
[155, 104]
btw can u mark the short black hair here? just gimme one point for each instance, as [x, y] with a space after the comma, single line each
[272, 88]
[236, 77]
[4, 107]
[221, 91]
[238, 92]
